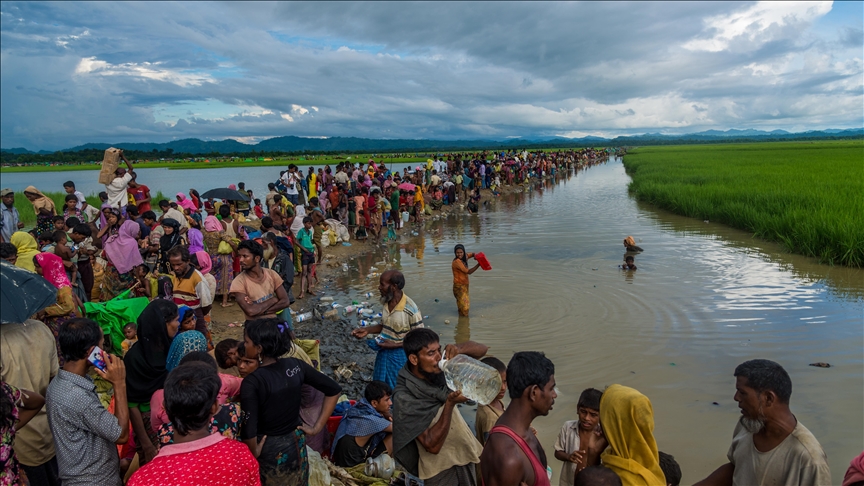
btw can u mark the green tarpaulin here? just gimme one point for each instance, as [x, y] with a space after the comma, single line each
[115, 314]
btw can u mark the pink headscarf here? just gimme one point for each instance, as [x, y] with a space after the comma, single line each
[232, 187]
[855, 473]
[52, 269]
[122, 248]
[211, 223]
[185, 203]
[205, 264]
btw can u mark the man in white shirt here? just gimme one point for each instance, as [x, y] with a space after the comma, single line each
[341, 177]
[769, 445]
[292, 184]
[116, 190]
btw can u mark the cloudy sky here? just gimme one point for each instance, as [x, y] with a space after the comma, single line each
[154, 71]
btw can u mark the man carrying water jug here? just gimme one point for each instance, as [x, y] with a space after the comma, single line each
[430, 438]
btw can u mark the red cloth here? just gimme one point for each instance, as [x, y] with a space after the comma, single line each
[211, 460]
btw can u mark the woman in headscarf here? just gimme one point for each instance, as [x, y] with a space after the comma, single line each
[185, 203]
[43, 206]
[27, 249]
[196, 240]
[628, 424]
[120, 242]
[50, 266]
[196, 198]
[146, 370]
[460, 278]
[171, 239]
[215, 232]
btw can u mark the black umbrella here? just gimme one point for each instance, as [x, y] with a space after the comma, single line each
[23, 293]
[224, 193]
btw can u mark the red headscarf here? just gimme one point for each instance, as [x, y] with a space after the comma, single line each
[52, 269]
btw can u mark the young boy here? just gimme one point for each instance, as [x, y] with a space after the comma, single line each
[130, 331]
[487, 415]
[226, 356]
[67, 254]
[366, 430]
[81, 236]
[69, 187]
[629, 263]
[60, 223]
[70, 209]
[581, 442]
[307, 259]
[46, 242]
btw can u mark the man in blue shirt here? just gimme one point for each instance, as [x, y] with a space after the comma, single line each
[11, 221]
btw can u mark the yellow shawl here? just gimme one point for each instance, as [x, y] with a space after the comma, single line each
[27, 249]
[43, 202]
[628, 423]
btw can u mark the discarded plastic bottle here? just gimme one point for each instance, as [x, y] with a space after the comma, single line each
[349, 309]
[364, 303]
[367, 312]
[477, 381]
[335, 305]
[365, 323]
[326, 298]
[380, 467]
[368, 295]
[303, 317]
[377, 315]
[344, 267]
[331, 314]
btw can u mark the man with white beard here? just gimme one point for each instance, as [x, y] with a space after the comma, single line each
[769, 445]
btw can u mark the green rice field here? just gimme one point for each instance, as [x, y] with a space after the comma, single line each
[809, 196]
[28, 216]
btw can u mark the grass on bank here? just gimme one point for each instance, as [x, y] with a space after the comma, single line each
[809, 196]
[28, 216]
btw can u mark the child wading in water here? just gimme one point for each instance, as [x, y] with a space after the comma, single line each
[581, 442]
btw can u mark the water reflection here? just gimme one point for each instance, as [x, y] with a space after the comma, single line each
[706, 298]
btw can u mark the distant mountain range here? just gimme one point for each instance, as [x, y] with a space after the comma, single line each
[369, 145]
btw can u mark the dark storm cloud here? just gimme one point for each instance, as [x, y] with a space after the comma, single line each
[79, 72]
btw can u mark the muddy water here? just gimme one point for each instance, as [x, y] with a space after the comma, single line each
[704, 299]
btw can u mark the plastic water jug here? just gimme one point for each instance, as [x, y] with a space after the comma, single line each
[349, 309]
[477, 381]
[382, 466]
[405, 216]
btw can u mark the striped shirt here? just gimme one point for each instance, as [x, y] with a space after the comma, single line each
[403, 318]
[191, 290]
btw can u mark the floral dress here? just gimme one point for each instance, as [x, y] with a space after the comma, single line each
[226, 422]
[9, 472]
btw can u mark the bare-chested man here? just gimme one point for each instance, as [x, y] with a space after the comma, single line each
[513, 455]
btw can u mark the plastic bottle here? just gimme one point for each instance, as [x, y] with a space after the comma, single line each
[344, 267]
[326, 298]
[365, 323]
[477, 381]
[380, 467]
[335, 305]
[368, 295]
[349, 309]
[331, 314]
[366, 312]
[303, 317]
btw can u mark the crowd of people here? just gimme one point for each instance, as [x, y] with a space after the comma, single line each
[156, 401]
